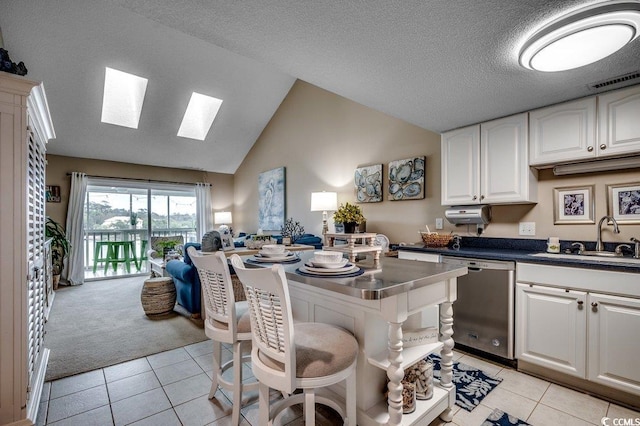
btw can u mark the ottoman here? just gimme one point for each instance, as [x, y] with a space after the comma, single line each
[158, 296]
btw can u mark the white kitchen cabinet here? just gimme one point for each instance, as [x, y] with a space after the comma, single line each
[488, 163]
[564, 132]
[618, 123]
[581, 322]
[613, 357]
[551, 328]
[25, 126]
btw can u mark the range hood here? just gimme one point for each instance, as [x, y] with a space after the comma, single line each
[465, 215]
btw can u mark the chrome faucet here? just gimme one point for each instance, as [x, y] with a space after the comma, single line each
[615, 229]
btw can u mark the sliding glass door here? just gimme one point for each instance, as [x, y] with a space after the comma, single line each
[120, 218]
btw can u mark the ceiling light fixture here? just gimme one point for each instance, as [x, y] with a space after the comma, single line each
[199, 116]
[123, 98]
[582, 37]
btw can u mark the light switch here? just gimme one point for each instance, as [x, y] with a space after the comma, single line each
[439, 223]
[527, 228]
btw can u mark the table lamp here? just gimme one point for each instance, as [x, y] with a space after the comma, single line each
[323, 202]
[223, 219]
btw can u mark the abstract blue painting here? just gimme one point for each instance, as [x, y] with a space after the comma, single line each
[271, 199]
[368, 183]
[406, 179]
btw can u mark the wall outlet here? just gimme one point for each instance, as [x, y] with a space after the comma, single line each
[527, 228]
[439, 223]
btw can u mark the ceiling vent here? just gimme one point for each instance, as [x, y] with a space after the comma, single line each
[616, 82]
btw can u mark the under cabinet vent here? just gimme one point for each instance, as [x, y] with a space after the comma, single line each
[617, 82]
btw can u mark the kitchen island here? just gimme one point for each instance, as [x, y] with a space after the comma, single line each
[376, 307]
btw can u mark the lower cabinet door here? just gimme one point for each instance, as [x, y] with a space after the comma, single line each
[551, 328]
[614, 341]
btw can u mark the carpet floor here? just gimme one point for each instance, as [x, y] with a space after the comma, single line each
[101, 323]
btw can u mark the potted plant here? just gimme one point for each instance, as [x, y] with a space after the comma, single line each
[60, 247]
[166, 246]
[350, 215]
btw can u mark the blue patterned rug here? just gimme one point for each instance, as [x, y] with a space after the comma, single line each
[500, 418]
[472, 385]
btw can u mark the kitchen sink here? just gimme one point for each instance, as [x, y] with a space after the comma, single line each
[590, 256]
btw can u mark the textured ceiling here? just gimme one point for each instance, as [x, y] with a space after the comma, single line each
[437, 64]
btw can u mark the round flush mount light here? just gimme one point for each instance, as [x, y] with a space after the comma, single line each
[582, 37]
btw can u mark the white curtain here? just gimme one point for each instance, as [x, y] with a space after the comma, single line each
[75, 230]
[203, 206]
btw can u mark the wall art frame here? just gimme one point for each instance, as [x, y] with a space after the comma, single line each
[368, 183]
[52, 193]
[407, 179]
[623, 202]
[271, 199]
[574, 205]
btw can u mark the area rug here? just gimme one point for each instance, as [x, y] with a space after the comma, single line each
[472, 384]
[102, 323]
[500, 418]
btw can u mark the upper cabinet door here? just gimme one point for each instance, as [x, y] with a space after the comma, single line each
[619, 122]
[461, 166]
[504, 165]
[563, 132]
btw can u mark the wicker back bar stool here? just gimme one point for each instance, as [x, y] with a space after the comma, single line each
[287, 356]
[227, 321]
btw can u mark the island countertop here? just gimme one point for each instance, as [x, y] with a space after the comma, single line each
[394, 276]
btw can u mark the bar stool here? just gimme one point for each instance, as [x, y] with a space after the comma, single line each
[227, 321]
[287, 356]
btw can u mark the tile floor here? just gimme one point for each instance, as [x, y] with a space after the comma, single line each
[171, 388]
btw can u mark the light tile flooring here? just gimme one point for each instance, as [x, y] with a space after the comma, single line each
[171, 388]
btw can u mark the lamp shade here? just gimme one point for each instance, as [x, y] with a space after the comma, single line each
[324, 201]
[222, 217]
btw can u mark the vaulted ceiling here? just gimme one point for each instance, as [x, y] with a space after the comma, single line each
[436, 64]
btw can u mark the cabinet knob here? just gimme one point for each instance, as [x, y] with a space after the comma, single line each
[475, 197]
[603, 146]
[594, 306]
[580, 303]
[481, 197]
[590, 149]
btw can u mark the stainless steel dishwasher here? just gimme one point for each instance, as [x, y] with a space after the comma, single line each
[483, 317]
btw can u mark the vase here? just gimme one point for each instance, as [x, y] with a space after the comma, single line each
[350, 227]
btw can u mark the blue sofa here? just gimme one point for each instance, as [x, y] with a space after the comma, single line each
[187, 281]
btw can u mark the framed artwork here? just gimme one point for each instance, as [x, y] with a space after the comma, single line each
[271, 199]
[406, 179]
[52, 194]
[573, 205]
[368, 183]
[227, 242]
[623, 202]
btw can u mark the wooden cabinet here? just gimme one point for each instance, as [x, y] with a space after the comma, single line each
[600, 126]
[25, 126]
[488, 163]
[581, 322]
[551, 328]
[613, 326]
[618, 123]
[565, 132]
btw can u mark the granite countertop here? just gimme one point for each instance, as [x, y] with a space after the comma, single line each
[522, 250]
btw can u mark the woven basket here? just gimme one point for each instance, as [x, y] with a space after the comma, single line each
[435, 239]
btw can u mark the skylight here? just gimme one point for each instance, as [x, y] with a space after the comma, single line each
[199, 116]
[123, 98]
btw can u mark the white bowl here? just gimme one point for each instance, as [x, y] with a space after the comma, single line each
[273, 249]
[327, 256]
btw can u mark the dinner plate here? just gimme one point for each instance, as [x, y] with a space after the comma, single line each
[303, 270]
[349, 267]
[328, 265]
[286, 253]
[260, 258]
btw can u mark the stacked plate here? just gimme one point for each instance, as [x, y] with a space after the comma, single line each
[321, 266]
[265, 257]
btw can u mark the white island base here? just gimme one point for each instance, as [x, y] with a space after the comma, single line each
[377, 324]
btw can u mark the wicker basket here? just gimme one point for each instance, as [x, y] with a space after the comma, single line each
[433, 239]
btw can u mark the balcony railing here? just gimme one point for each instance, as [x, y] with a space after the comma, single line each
[140, 237]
